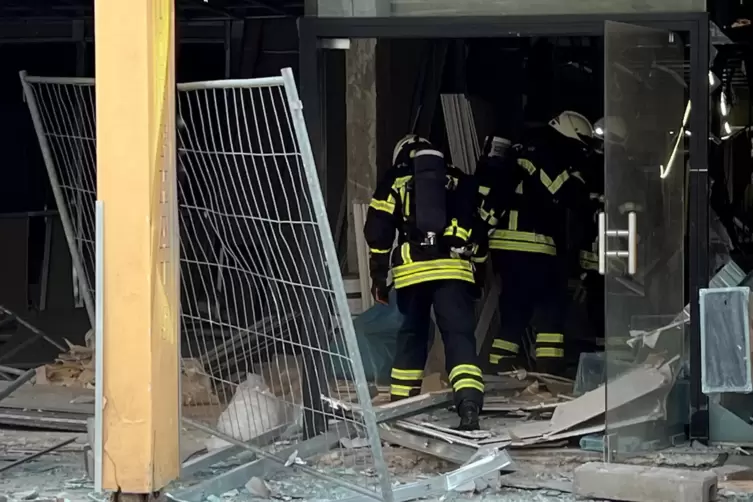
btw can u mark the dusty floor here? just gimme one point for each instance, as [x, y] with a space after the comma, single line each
[60, 476]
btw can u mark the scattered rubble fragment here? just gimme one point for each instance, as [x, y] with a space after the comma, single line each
[257, 487]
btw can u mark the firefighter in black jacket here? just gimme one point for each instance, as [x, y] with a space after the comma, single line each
[432, 207]
[524, 207]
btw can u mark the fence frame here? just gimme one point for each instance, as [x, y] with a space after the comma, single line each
[94, 303]
[49, 164]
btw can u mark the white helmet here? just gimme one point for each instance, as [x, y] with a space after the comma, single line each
[611, 129]
[405, 145]
[573, 125]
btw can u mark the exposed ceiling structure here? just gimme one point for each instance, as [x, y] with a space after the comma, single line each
[55, 10]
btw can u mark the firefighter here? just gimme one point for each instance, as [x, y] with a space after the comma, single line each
[431, 206]
[525, 211]
[588, 259]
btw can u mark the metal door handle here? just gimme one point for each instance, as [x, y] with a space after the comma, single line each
[632, 250]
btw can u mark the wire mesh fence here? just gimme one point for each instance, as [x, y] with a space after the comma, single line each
[270, 359]
[63, 115]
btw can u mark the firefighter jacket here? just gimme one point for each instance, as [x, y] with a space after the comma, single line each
[589, 243]
[525, 196]
[392, 211]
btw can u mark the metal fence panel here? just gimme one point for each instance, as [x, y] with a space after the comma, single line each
[269, 349]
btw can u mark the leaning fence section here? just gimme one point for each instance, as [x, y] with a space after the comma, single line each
[62, 110]
[270, 360]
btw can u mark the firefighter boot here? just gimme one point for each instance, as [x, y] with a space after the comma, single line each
[468, 411]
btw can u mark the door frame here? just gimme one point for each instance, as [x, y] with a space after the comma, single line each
[695, 25]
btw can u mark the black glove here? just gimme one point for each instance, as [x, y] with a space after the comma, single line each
[380, 291]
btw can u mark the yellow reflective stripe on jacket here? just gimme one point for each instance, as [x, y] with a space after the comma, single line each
[380, 251]
[483, 190]
[527, 165]
[480, 259]
[513, 223]
[411, 279]
[439, 264]
[488, 217]
[383, 205]
[589, 260]
[401, 181]
[405, 253]
[550, 338]
[515, 240]
[549, 352]
[456, 230]
[553, 186]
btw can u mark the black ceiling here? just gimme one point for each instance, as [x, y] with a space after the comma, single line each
[186, 9]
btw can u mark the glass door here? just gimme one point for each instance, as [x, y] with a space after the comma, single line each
[641, 236]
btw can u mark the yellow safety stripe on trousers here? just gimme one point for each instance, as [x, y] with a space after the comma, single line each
[405, 254]
[468, 369]
[550, 338]
[483, 190]
[399, 374]
[549, 352]
[468, 383]
[434, 275]
[515, 240]
[388, 206]
[555, 185]
[401, 390]
[456, 230]
[379, 251]
[505, 345]
[496, 358]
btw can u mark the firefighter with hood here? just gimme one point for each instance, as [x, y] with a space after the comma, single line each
[431, 206]
[527, 193]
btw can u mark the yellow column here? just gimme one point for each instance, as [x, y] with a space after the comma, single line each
[136, 183]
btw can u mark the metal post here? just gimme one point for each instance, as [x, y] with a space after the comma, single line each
[99, 327]
[341, 301]
[698, 224]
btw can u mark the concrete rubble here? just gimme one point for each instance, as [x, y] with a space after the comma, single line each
[538, 420]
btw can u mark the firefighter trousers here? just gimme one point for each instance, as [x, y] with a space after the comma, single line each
[531, 283]
[455, 316]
